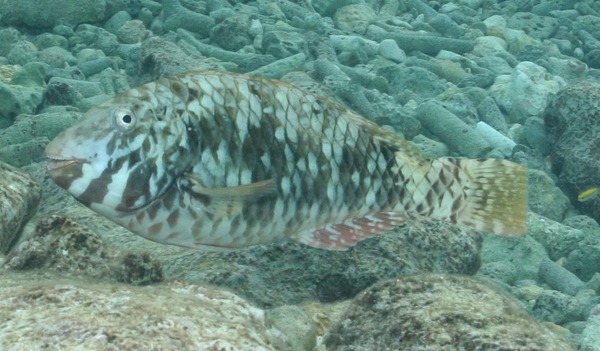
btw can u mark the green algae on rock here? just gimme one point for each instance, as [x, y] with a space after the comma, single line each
[19, 198]
[439, 312]
[41, 310]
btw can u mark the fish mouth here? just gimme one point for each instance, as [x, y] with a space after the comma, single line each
[55, 163]
[60, 167]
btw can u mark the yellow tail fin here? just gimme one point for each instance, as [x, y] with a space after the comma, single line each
[496, 196]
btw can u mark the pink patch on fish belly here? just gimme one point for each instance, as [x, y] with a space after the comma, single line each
[341, 236]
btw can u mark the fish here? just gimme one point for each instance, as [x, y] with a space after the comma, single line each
[221, 161]
[587, 194]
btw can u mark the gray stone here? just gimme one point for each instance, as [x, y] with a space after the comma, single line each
[559, 278]
[501, 271]
[17, 99]
[523, 253]
[545, 198]
[536, 136]
[48, 13]
[572, 121]
[389, 49]
[427, 44]
[22, 154]
[296, 324]
[57, 57]
[558, 239]
[439, 312]
[446, 26]
[29, 127]
[89, 36]
[459, 136]
[116, 21]
[539, 27]
[91, 315]
[232, 33]
[354, 18]
[556, 307]
[490, 113]
[282, 44]
[246, 62]
[590, 336]
[178, 17]
[423, 83]
[46, 40]
[132, 32]
[19, 198]
[64, 91]
[281, 67]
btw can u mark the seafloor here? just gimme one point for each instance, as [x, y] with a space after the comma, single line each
[518, 80]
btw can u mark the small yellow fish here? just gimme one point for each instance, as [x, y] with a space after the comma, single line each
[587, 194]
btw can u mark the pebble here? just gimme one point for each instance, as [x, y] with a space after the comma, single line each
[389, 49]
[451, 130]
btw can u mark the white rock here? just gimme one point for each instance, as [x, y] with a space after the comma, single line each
[590, 336]
[352, 42]
[489, 46]
[496, 25]
[496, 139]
[389, 49]
[526, 91]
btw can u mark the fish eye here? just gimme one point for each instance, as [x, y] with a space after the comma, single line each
[124, 119]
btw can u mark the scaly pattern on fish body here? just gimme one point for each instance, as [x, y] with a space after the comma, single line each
[220, 160]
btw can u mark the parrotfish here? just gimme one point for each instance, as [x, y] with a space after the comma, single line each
[218, 160]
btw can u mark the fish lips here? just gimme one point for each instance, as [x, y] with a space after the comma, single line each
[64, 172]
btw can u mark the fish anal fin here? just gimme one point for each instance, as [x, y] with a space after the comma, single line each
[342, 236]
[228, 200]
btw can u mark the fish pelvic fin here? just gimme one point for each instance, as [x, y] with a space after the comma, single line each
[342, 236]
[489, 195]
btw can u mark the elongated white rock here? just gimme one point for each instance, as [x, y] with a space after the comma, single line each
[496, 139]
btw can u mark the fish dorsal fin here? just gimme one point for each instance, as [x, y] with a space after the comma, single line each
[227, 200]
[343, 235]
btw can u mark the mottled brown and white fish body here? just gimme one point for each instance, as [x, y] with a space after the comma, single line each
[220, 160]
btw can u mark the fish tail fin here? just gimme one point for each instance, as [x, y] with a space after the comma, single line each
[496, 199]
[485, 194]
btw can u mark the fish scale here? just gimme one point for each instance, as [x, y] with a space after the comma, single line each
[218, 160]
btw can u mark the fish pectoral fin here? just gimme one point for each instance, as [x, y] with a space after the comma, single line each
[342, 236]
[231, 199]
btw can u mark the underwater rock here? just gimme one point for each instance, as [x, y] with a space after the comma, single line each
[559, 278]
[459, 136]
[439, 312]
[17, 99]
[289, 272]
[539, 27]
[63, 245]
[558, 239]
[556, 307]
[525, 92]
[524, 254]
[48, 13]
[545, 198]
[138, 269]
[41, 310]
[590, 336]
[30, 132]
[19, 198]
[573, 121]
[354, 18]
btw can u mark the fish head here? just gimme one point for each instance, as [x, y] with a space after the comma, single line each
[121, 155]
